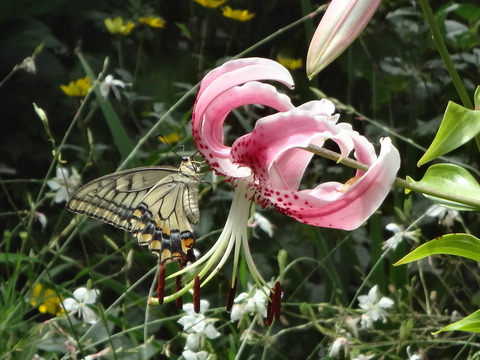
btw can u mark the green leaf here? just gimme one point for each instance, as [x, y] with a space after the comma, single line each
[464, 245]
[459, 125]
[471, 323]
[451, 180]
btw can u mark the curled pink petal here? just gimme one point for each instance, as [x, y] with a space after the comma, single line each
[329, 206]
[223, 90]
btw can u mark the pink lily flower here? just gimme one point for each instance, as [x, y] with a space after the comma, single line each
[340, 26]
[267, 164]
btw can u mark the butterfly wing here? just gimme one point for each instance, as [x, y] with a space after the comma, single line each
[157, 204]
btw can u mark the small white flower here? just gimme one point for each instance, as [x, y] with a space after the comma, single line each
[339, 344]
[42, 219]
[446, 217]
[97, 355]
[197, 326]
[399, 234]
[263, 223]
[28, 65]
[363, 357]
[79, 304]
[63, 184]
[111, 84]
[413, 356]
[376, 309]
[254, 302]
[191, 355]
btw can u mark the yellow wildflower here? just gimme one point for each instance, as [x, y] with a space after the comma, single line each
[156, 22]
[290, 63]
[169, 139]
[211, 3]
[117, 26]
[46, 300]
[240, 15]
[78, 88]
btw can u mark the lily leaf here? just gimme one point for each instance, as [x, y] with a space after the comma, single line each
[459, 125]
[470, 323]
[454, 180]
[464, 245]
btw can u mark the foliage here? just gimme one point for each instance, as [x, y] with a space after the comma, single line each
[391, 82]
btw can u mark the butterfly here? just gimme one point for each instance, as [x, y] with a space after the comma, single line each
[157, 204]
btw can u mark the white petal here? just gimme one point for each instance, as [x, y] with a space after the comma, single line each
[386, 302]
[88, 315]
[211, 332]
[204, 305]
[237, 313]
[80, 294]
[188, 308]
[53, 184]
[240, 297]
[70, 305]
[91, 296]
[189, 355]
[187, 322]
[193, 342]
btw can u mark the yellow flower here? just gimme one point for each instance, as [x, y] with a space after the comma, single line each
[46, 300]
[169, 139]
[156, 22]
[211, 3]
[290, 63]
[117, 26]
[240, 15]
[78, 88]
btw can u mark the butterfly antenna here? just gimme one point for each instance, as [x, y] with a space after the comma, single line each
[165, 141]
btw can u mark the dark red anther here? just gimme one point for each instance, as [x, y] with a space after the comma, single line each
[161, 284]
[277, 300]
[196, 294]
[178, 287]
[232, 289]
[269, 319]
[274, 304]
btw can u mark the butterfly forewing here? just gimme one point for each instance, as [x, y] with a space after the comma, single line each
[156, 204]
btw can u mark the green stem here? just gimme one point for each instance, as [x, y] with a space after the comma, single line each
[398, 182]
[442, 49]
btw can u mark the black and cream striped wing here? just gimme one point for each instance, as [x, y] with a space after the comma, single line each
[156, 204]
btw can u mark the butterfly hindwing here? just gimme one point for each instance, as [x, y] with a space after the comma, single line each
[156, 204]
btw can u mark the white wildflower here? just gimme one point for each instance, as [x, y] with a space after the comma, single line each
[191, 355]
[399, 234]
[110, 83]
[446, 217]
[263, 223]
[198, 326]
[63, 184]
[254, 302]
[79, 304]
[338, 345]
[375, 307]
[413, 356]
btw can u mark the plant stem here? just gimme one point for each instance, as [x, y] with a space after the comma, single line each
[442, 49]
[331, 155]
